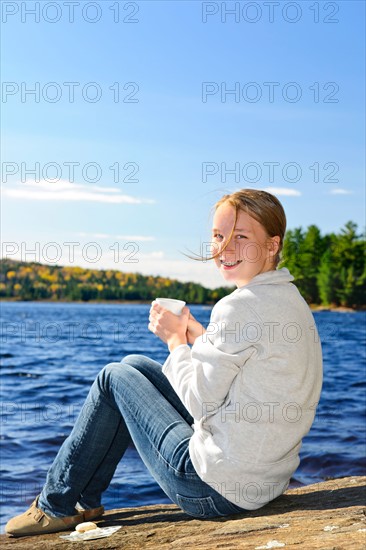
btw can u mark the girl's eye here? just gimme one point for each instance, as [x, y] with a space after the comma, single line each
[217, 236]
[241, 236]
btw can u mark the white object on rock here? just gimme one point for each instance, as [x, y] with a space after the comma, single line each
[271, 544]
[97, 533]
[86, 526]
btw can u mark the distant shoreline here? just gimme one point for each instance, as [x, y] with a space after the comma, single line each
[337, 309]
[313, 307]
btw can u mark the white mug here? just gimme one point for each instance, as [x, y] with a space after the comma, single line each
[175, 306]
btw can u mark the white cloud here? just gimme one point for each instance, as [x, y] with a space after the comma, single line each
[67, 191]
[121, 237]
[286, 191]
[340, 192]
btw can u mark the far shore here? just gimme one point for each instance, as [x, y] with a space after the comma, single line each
[313, 307]
[339, 309]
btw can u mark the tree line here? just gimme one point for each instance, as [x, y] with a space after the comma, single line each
[329, 270]
[36, 281]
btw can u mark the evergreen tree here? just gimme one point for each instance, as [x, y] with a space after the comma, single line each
[311, 252]
[291, 253]
[326, 279]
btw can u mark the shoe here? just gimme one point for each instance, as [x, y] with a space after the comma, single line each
[90, 513]
[36, 522]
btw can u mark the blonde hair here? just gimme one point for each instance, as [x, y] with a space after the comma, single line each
[263, 207]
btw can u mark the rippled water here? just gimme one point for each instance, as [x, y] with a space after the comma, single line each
[51, 353]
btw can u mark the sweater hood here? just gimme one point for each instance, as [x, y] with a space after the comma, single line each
[273, 277]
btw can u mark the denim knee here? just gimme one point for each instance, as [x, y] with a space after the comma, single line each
[107, 373]
[133, 359]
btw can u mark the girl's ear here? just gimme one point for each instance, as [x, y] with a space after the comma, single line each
[273, 245]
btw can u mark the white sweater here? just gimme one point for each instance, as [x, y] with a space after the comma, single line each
[252, 383]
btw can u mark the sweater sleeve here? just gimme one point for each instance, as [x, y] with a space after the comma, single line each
[202, 375]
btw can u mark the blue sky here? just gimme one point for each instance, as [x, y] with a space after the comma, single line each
[148, 96]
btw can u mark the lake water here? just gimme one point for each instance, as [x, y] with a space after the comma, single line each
[51, 354]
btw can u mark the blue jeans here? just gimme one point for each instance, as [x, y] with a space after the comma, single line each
[134, 400]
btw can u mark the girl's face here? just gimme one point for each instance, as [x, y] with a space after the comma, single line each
[250, 250]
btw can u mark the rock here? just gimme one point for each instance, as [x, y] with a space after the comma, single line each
[327, 516]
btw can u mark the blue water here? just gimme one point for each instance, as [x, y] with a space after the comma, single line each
[51, 353]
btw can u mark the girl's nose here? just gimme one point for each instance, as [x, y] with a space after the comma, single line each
[230, 245]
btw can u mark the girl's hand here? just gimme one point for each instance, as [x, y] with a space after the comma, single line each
[170, 328]
[194, 329]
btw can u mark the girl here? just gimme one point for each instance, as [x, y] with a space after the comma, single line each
[220, 424]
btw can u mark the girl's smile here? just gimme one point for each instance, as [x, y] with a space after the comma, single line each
[230, 265]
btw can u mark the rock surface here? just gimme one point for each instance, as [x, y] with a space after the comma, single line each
[326, 516]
